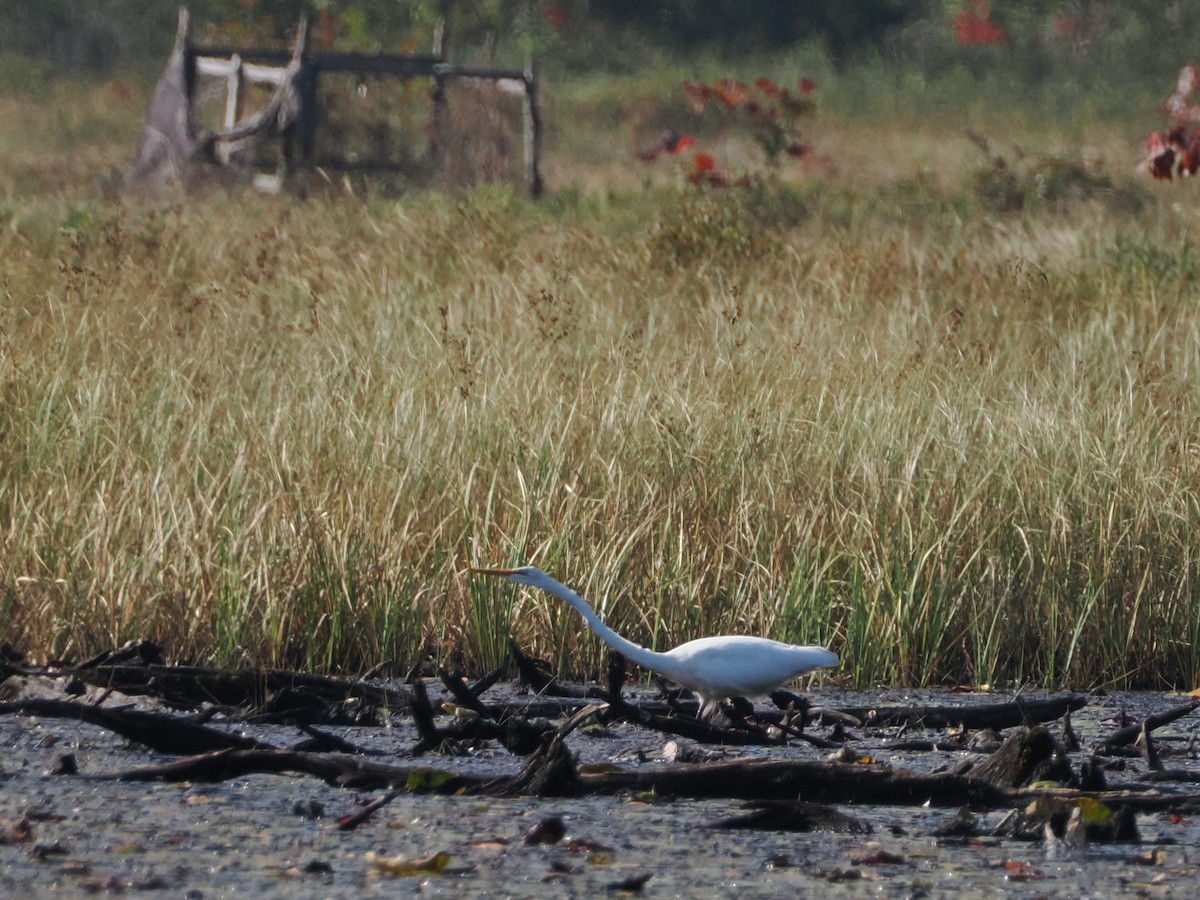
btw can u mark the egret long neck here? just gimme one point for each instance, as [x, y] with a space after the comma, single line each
[660, 662]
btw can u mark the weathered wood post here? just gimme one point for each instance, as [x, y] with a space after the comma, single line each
[533, 132]
[185, 50]
[439, 113]
[303, 126]
[310, 110]
[234, 93]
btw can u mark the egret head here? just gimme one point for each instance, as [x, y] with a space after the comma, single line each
[520, 575]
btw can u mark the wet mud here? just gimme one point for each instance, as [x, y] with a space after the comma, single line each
[278, 835]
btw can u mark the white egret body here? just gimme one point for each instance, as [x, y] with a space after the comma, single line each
[714, 668]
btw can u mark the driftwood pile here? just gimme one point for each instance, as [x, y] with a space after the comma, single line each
[172, 149]
[1052, 784]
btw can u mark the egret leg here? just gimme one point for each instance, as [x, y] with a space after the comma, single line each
[709, 707]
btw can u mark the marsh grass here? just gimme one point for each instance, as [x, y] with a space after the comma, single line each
[953, 444]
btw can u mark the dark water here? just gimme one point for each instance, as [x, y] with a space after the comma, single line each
[247, 836]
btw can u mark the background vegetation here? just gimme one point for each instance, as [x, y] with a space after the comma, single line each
[928, 400]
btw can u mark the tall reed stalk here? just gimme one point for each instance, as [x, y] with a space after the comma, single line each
[954, 446]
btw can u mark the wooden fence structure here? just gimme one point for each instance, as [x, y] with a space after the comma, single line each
[294, 111]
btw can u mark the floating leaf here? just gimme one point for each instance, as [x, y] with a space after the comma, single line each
[1094, 812]
[428, 781]
[402, 865]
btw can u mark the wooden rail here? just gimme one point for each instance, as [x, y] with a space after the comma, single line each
[268, 66]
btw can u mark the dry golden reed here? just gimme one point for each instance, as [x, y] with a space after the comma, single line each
[952, 444]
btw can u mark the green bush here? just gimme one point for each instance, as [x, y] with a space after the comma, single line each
[708, 226]
[1054, 180]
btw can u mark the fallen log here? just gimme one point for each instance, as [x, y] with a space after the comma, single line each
[921, 746]
[994, 715]
[828, 782]
[549, 772]
[543, 707]
[763, 780]
[190, 686]
[135, 653]
[321, 742]
[731, 779]
[809, 780]
[1123, 737]
[486, 682]
[543, 682]
[463, 694]
[160, 732]
[338, 769]
[1168, 775]
[346, 770]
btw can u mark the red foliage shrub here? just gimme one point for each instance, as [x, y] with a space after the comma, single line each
[973, 25]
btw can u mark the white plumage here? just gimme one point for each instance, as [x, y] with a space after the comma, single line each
[715, 668]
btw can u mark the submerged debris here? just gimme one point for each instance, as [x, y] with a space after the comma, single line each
[1070, 822]
[548, 830]
[798, 816]
[1055, 796]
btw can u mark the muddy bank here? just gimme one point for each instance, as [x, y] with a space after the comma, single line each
[278, 834]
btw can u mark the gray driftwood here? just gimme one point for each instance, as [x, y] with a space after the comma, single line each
[160, 732]
[190, 686]
[172, 153]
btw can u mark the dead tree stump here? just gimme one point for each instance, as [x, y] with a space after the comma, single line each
[1026, 756]
[550, 772]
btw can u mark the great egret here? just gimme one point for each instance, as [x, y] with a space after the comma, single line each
[714, 668]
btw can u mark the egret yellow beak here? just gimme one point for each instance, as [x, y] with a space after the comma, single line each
[491, 570]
